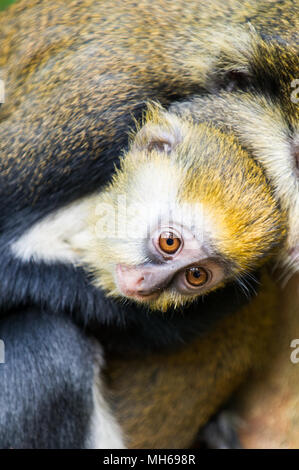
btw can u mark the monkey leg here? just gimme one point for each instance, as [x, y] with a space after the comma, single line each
[47, 396]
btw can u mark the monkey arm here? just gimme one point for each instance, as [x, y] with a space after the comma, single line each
[71, 93]
[52, 151]
[51, 394]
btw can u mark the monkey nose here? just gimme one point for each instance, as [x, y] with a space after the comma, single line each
[140, 282]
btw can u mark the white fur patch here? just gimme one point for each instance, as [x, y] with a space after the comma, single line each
[157, 188]
[48, 240]
[52, 240]
[105, 432]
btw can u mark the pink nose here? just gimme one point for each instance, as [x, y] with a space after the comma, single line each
[129, 280]
[141, 281]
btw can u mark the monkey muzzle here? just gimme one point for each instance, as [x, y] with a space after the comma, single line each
[141, 282]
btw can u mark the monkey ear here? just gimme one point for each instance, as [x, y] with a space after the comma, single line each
[161, 145]
[162, 137]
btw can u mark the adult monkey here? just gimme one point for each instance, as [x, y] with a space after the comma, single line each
[73, 81]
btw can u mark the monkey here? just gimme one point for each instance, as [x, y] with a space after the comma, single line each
[173, 150]
[259, 393]
[176, 147]
[54, 151]
[36, 37]
[269, 130]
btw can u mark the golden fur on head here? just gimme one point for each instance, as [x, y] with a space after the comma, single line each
[193, 173]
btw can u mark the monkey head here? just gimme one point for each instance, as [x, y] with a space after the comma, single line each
[187, 211]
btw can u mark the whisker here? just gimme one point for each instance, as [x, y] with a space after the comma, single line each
[243, 287]
[246, 283]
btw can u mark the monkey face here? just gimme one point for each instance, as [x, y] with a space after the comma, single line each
[179, 263]
[188, 211]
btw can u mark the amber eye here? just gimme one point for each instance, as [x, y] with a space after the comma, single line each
[197, 276]
[169, 242]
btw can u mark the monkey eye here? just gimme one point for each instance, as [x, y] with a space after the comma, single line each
[169, 242]
[197, 276]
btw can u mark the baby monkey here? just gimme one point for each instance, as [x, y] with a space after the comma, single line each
[187, 211]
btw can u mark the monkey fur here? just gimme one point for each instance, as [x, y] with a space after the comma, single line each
[74, 81]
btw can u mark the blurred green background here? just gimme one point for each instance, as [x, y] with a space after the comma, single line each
[5, 3]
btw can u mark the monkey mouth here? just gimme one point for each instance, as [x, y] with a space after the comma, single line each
[144, 297]
[139, 296]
